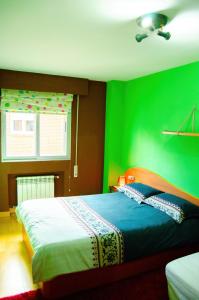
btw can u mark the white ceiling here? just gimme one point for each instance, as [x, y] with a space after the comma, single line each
[94, 39]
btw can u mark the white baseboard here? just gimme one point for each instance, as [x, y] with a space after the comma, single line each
[4, 214]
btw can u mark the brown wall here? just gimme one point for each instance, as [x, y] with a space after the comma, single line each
[91, 137]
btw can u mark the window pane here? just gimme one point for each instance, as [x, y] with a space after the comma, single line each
[30, 125]
[52, 135]
[17, 125]
[19, 143]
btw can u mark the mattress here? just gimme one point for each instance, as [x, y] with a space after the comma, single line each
[183, 278]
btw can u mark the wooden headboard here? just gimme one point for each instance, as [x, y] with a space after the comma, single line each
[147, 177]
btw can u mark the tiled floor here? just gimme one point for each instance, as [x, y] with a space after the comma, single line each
[15, 265]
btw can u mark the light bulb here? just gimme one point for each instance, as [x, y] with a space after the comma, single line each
[147, 22]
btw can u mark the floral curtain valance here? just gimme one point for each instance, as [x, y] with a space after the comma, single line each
[41, 102]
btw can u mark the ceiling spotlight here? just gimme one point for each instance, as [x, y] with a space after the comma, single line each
[140, 37]
[152, 22]
[165, 35]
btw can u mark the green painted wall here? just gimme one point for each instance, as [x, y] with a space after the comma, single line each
[113, 135]
[137, 112]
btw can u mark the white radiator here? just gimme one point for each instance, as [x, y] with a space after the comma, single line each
[35, 187]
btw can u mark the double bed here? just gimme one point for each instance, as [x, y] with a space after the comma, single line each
[105, 242]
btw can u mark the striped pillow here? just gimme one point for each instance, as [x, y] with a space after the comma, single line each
[177, 208]
[138, 191]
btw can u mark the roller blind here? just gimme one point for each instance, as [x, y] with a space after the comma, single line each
[31, 101]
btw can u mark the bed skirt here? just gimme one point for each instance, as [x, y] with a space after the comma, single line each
[142, 279]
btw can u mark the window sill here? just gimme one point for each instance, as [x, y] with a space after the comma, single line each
[34, 160]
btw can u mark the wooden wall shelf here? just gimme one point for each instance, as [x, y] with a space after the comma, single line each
[180, 133]
[179, 130]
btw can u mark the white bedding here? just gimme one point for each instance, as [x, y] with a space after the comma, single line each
[183, 278]
[67, 236]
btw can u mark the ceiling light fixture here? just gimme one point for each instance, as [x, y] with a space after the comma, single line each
[153, 22]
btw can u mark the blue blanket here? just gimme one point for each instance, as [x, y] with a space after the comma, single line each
[145, 230]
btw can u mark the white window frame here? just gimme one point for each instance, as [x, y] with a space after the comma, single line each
[4, 158]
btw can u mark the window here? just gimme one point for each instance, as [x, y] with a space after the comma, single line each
[35, 125]
[35, 136]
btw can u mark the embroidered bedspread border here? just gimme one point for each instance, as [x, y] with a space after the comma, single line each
[106, 239]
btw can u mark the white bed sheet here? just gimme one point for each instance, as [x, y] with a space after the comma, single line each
[183, 278]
